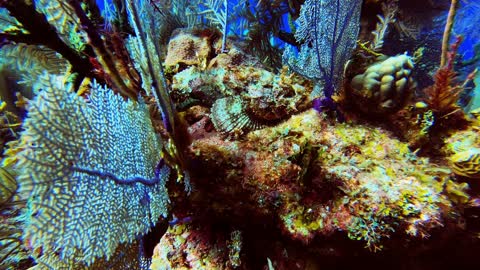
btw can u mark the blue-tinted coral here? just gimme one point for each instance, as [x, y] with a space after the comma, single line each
[89, 166]
[327, 31]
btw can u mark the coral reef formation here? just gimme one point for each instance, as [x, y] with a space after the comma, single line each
[258, 98]
[188, 49]
[463, 150]
[315, 177]
[244, 97]
[171, 135]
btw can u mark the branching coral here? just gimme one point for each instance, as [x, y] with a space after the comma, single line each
[30, 61]
[61, 14]
[142, 17]
[389, 11]
[264, 23]
[217, 13]
[448, 32]
[94, 171]
[65, 27]
[91, 172]
[36, 30]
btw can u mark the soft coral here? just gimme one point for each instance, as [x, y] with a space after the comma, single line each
[443, 95]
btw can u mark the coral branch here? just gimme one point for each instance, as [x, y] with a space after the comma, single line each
[41, 32]
[105, 58]
[448, 31]
[116, 179]
[389, 12]
[443, 95]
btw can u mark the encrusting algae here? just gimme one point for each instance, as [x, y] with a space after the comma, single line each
[463, 151]
[316, 178]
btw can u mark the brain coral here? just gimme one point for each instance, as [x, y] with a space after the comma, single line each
[90, 169]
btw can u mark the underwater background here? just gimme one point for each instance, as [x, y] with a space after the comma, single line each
[215, 134]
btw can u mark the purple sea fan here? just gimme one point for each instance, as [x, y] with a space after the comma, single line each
[327, 31]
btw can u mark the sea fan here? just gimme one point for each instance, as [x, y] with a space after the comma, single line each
[90, 168]
[327, 31]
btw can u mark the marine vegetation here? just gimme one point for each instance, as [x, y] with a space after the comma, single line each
[272, 134]
[327, 33]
